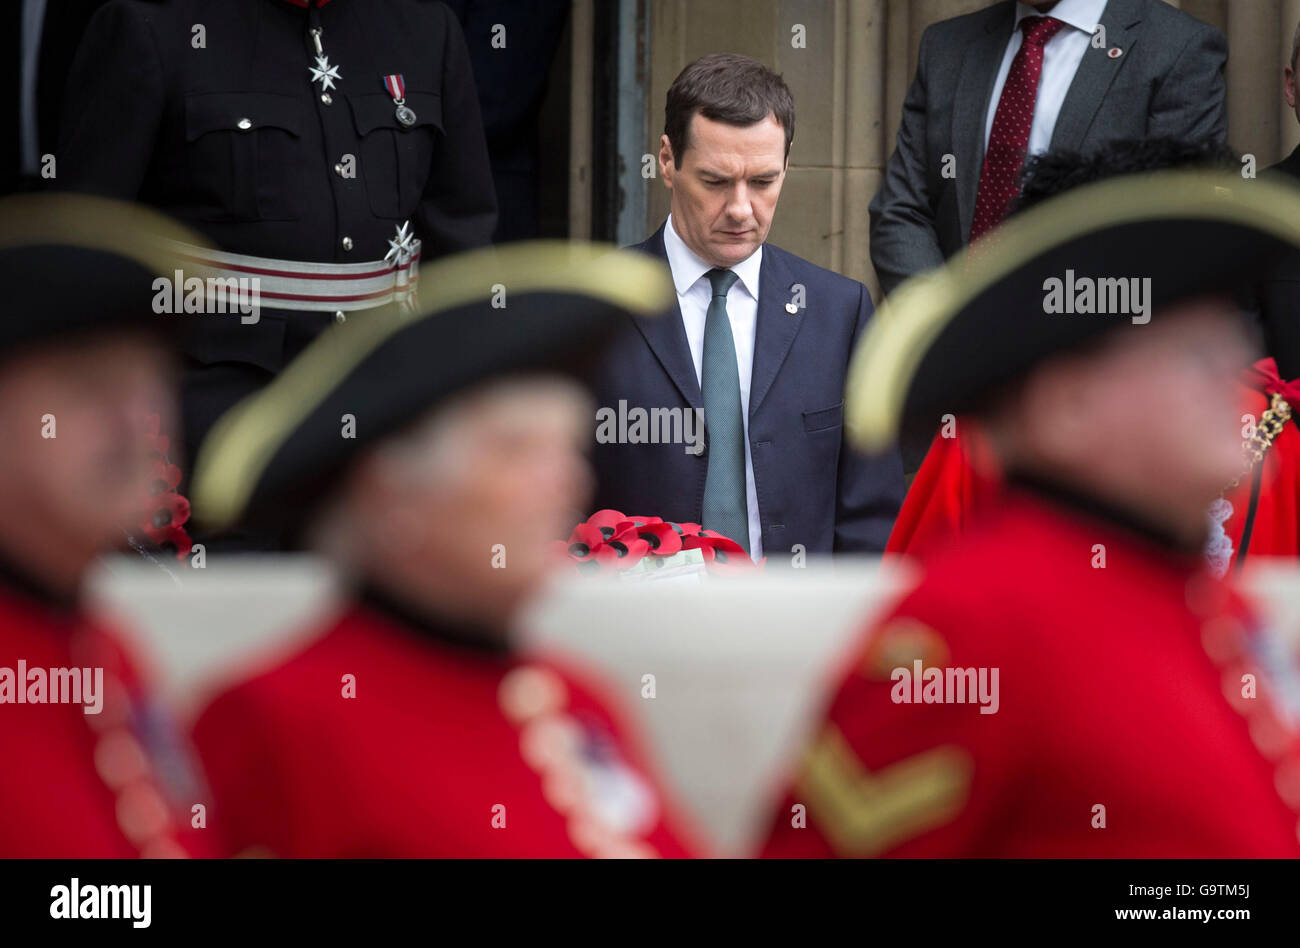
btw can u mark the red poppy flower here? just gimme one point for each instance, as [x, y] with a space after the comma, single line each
[167, 510]
[624, 531]
[606, 521]
[611, 540]
[584, 541]
[623, 551]
[178, 538]
[163, 476]
[164, 510]
[661, 538]
[715, 547]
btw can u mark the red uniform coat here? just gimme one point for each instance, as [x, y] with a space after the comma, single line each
[1119, 687]
[444, 751]
[108, 785]
[960, 475]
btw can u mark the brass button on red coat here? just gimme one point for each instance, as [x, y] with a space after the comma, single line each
[1287, 781]
[1269, 736]
[527, 692]
[120, 759]
[1221, 638]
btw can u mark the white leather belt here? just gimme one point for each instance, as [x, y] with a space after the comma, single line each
[302, 285]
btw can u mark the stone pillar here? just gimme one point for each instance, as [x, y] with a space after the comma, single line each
[899, 64]
[809, 219]
[1213, 12]
[580, 125]
[1253, 90]
[1289, 136]
[866, 148]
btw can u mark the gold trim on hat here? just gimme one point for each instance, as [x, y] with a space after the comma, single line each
[87, 222]
[910, 320]
[241, 444]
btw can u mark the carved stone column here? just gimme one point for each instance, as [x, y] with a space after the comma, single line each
[1253, 86]
[1289, 134]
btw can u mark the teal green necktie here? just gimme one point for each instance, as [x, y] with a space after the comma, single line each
[724, 487]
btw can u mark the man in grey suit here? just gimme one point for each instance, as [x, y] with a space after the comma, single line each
[1123, 69]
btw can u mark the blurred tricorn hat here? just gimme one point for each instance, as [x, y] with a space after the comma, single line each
[76, 263]
[945, 339]
[526, 307]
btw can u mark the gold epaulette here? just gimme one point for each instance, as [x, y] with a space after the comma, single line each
[1261, 439]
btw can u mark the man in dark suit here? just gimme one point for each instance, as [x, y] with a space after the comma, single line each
[1081, 72]
[759, 349]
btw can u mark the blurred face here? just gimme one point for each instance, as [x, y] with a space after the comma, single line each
[725, 189]
[74, 463]
[464, 509]
[1151, 420]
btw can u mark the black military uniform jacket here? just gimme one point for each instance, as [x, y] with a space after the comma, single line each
[213, 111]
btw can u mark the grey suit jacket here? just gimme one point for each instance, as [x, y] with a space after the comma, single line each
[1167, 81]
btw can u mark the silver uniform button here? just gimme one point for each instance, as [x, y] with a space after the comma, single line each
[244, 124]
[347, 243]
[338, 169]
[326, 98]
[339, 317]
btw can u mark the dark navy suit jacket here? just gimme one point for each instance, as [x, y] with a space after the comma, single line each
[813, 489]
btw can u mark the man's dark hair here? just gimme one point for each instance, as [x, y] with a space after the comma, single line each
[726, 87]
[1054, 172]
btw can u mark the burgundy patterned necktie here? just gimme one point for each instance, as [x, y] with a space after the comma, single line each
[1009, 138]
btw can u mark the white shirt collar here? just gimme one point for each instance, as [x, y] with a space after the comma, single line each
[687, 267]
[1080, 14]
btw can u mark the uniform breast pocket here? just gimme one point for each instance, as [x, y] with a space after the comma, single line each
[244, 155]
[825, 419]
[396, 159]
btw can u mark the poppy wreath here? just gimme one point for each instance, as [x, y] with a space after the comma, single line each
[164, 510]
[609, 540]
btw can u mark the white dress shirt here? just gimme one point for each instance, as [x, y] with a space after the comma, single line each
[1061, 58]
[694, 293]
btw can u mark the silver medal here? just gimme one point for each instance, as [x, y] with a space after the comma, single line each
[404, 113]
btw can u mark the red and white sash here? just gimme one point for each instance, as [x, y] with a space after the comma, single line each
[303, 285]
